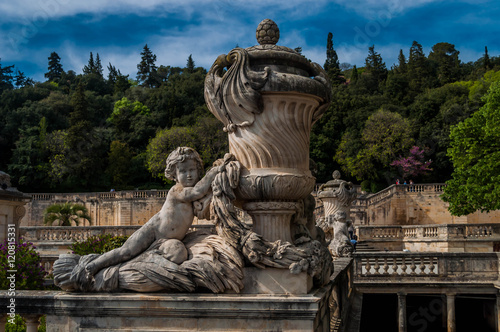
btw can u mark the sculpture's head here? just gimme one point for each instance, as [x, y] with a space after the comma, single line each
[179, 155]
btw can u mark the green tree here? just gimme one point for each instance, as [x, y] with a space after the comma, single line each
[190, 64]
[90, 67]
[65, 214]
[419, 69]
[6, 78]
[119, 159]
[385, 136]
[332, 65]
[445, 57]
[375, 70]
[146, 69]
[475, 153]
[55, 68]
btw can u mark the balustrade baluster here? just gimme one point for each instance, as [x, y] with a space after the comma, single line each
[422, 266]
[368, 267]
[431, 266]
[394, 266]
[403, 266]
[385, 267]
[413, 267]
[376, 267]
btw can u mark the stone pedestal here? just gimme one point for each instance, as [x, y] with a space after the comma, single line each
[276, 281]
[178, 312]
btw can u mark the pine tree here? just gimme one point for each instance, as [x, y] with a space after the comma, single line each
[20, 80]
[444, 57]
[6, 78]
[146, 69]
[375, 66]
[190, 64]
[55, 68]
[90, 67]
[98, 65]
[112, 74]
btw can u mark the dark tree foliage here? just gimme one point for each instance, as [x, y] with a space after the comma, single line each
[146, 69]
[332, 65]
[80, 131]
[6, 78]
[55, 68]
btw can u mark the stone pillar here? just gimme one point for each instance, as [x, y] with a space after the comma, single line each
[401, 312]
[32, 322]
[450, 312]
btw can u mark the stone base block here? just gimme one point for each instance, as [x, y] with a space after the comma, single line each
[178, 312]
[276, 281]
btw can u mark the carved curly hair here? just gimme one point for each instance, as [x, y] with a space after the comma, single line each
[178, 156]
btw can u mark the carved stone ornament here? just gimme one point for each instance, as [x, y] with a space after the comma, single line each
[337, 196]
[214, 262]
[267, 100]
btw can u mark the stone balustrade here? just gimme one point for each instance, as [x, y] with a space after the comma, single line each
[433, 267]
[448, 237]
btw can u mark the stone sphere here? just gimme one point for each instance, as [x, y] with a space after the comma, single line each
[267, 32]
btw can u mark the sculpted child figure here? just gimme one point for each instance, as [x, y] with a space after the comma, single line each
[185, 167]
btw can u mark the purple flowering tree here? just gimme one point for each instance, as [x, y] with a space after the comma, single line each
[413, 165]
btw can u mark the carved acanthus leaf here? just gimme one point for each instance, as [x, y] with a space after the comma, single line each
[234, 97]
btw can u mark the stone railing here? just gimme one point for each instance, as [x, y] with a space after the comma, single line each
[426, 232]
[440, 238]
[401, 267]
[80, 233]
[98, 195]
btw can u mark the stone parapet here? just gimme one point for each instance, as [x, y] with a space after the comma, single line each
[433, 238]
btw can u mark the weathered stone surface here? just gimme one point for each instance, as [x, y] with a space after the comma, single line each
[337, 196]
[12, 209]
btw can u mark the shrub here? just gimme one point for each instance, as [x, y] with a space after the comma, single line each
[28, 266]
[98, 244]
[365, 186]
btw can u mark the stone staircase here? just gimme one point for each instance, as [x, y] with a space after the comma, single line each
[362, 246]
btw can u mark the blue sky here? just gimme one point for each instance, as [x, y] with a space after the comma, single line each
[118, 30]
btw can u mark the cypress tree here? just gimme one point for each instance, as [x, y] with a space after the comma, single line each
[190, 64]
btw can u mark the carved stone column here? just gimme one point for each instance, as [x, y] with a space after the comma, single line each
[268, 100]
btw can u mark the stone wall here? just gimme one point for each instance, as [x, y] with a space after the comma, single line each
[411, 205]
[121, 208]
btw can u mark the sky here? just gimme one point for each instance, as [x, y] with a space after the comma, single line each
[174, 29]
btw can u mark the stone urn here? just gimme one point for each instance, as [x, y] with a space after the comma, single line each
[268, 97]
[337, 195]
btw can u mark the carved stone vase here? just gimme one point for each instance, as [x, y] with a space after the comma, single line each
[268, 99]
